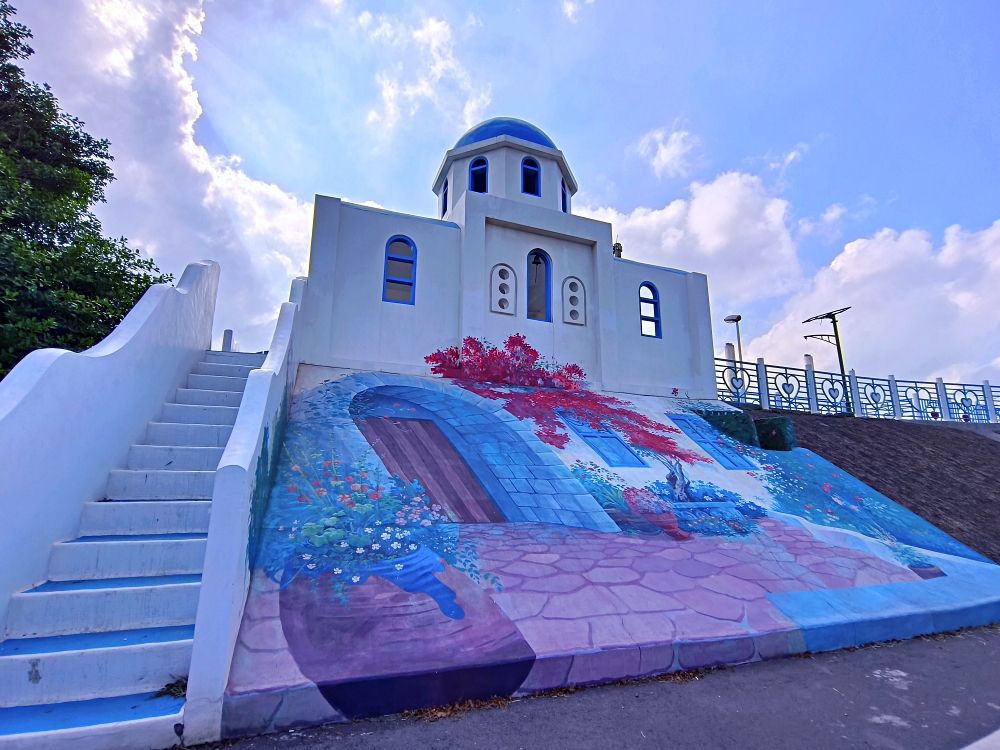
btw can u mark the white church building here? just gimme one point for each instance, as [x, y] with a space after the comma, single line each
[505, 255]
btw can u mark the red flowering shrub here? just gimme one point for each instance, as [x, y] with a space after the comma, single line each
[534, 389]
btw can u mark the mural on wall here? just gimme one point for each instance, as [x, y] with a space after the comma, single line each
[502, 527]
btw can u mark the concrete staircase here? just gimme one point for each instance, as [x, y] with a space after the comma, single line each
[88, 649]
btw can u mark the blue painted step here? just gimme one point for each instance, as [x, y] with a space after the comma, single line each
[55, 716]
[85, 641]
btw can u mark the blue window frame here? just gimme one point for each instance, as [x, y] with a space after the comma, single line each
[531, 177]
[479, 172]
[710, 441]
[539, 286]
[605, 442]
[649, 311]
[400, 279]
[444, 199]
[565, 198]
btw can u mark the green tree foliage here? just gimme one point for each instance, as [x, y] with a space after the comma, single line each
[62, 284]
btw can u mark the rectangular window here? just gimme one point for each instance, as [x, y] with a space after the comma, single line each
[710, 441]
[605, 442]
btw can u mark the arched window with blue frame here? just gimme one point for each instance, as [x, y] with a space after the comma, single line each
[539, 286]
[444, 199]
[531, 177]
[479, 171]
[649, 310]
[565, 198]
[400, 280]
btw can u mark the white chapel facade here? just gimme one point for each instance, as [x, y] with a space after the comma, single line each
[504, 255]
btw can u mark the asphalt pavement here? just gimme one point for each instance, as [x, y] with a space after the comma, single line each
[933, 693]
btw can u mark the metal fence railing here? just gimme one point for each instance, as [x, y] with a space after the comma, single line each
[736, 382]
[809, 390]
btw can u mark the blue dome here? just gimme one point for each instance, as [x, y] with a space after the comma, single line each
[505, 126]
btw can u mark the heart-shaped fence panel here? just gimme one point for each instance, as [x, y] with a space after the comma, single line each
[737, 381]
[968, 400]
[833, 390]
[918, 397]
[875, 395]
[787, 385]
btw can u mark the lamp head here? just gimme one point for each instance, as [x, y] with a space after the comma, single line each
[734, 318]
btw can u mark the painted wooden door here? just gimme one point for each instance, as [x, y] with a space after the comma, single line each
[417, 449]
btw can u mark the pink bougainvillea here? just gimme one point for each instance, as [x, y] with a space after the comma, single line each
[532, 388]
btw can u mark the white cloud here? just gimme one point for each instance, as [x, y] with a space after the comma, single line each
[827, 226]
[425, 69]
[571, 8]
[667, 152]
[730, 228]
[917, 312]
[127, 24]
[120, 66]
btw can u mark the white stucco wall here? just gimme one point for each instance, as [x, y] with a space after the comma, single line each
[346, 322]
[678, 358]
[67, 419]
[561, 341]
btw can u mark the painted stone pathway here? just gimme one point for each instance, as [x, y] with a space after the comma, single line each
[590, 607]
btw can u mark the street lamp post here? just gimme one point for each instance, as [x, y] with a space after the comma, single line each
[739, 344]
[835, 340]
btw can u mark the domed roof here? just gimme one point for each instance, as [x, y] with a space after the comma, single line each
[505, 126]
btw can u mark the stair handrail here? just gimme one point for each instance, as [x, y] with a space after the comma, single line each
[242, 486]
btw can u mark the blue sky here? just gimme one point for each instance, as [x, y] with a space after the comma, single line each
[802, 154]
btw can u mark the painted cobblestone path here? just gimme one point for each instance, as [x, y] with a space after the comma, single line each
[601, 606]
[402, 561]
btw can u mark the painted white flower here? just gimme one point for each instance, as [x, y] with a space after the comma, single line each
[396, 545]
[399, 566]
[387, 536]
[337, 571]
[343, 544]
[355, 579]
[281, 528]
[307, 557]
[360, 550]
[311, 566]
[400, 536]
[291, 536]
[368, 531]
[376, 545]
[413, 546]
[378, 523]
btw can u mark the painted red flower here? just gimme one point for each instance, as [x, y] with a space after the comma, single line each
[535, 390]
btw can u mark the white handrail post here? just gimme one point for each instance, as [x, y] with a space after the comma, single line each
[852, 383]
[942, 395]
[991, 407]
[811, 385]
[897, 406]
[762, 390]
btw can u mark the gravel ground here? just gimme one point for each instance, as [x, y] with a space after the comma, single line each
[949, 476]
